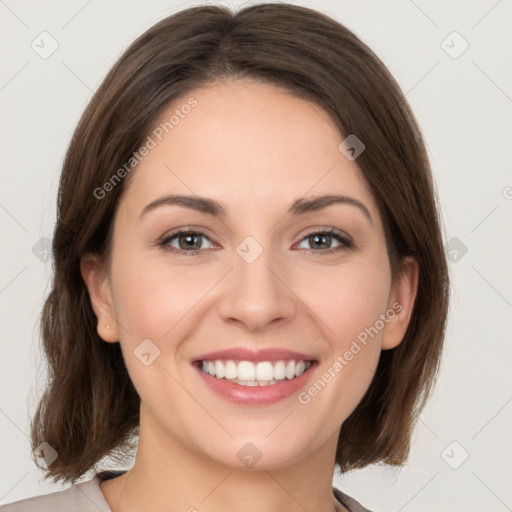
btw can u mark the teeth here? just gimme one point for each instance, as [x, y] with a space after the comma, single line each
[263, 373]
[279, 370]
[254, 382]
[300, 367]
[246, 370]
[290, 370]
[220, 371]
[231, 370]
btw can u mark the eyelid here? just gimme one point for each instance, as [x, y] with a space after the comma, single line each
[186, 229]
[329, 230]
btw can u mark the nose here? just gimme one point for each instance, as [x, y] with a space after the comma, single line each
[256, 294]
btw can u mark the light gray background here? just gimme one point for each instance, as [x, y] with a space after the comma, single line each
[464, 106]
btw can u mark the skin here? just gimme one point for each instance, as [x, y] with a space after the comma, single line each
[255, 149]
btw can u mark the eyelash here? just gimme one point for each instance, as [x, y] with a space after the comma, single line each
[345, 241]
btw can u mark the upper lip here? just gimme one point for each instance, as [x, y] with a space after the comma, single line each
[247, 354]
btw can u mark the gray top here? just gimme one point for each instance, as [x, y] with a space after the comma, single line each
[87, 497]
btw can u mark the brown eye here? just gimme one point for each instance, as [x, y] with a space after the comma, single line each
[187, 242]
[321, 242]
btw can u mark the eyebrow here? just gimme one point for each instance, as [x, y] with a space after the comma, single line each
[211, 207]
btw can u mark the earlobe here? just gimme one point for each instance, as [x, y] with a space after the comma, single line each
[401, 300]
[96, 281]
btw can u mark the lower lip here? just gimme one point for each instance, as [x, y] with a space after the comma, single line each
[256, 395]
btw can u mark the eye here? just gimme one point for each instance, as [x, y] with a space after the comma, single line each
[322, 240]
[190, 242]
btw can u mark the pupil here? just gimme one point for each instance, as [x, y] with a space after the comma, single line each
[189, 240]
[318, 238]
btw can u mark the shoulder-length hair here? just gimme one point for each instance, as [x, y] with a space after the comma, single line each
[90, 408]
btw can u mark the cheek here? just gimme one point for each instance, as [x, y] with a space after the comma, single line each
[151, 297]
[350, 303]
[347, 300]
[355, 308]
[154, 301]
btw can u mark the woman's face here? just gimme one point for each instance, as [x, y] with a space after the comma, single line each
[254, 278]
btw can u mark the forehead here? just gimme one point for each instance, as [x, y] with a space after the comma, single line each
[246, 144]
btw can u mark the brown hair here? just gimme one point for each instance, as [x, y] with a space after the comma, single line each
[90, 408]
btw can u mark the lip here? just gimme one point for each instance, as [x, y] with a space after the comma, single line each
[246, 354]
[256, 395]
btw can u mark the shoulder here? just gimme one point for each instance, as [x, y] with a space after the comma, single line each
[82, 497]
[350, 503]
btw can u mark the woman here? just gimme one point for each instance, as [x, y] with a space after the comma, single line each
[305, 333]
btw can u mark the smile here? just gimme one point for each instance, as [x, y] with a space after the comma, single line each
[255, 383]
[249, 373]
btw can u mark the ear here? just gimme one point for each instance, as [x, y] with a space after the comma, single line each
[401, 301]
[98, 285]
